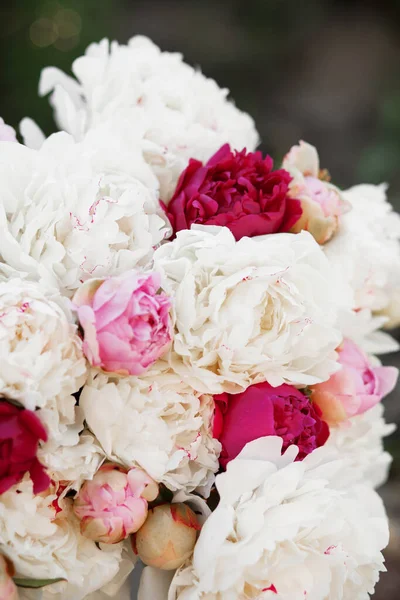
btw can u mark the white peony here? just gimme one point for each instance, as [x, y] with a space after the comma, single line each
[41, 359]
[72, 211]
[179, 113]
[155, 422]
[74, 462]
[361, 443]
[366, 249]
[363, 327]
[263, 308]
[286, 530]
[46, 545]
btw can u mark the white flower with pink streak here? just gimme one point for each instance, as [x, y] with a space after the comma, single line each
[155, 422]
[286, 530]
[70, 212]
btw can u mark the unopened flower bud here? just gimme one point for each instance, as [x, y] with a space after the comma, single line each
[114, 504]
[168, 536]
[8, 589]
[322, 203]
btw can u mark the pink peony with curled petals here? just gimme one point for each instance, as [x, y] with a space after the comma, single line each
[263, 410]
[356, 388]
[114, 504]
[238, 190]
[125, 320]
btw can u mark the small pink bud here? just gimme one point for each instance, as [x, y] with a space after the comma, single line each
[8, 589]
[168, 536]
[114, 504]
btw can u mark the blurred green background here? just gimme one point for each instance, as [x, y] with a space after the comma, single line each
[327, 71]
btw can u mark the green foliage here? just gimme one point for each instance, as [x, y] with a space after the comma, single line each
[35, 583]
[35, 34]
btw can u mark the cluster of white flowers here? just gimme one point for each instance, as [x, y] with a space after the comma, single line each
[285, 529]
[366, 250]
[157, 423]
[259, 309]
[179, 113]
[68, 215]
[46, 545]
[88, 203]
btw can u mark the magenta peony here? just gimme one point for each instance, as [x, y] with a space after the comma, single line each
[114, 504]
[20, 432]
[356, 388]
[237, 190]
[263, 410]
[125, 321]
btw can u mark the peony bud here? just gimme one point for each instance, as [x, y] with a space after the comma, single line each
[8, 589]
[168, 536]
[114, 504]
[322, 203]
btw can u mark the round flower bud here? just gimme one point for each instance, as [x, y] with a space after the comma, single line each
[168, 536]
[114, 504]
[8, 589]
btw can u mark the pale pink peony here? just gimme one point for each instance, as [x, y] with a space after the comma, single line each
[321, 202]
[7, 133]
[8, 589]
[125, 320]
[114, 504]
[356, 388]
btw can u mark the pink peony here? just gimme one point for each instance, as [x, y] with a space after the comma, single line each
[263, 410]
[321, 202]
[20, 433]
[237, 190]
[114, 504]
[7, 133]
[357, 387]
[125, 320]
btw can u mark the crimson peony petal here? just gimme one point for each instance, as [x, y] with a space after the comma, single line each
[262, 410]
[237, 190]
[20, 433]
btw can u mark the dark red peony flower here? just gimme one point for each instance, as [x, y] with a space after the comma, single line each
[262, 410]
[237, 190]
[20, 432]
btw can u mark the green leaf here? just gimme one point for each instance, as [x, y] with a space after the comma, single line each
[35, 583]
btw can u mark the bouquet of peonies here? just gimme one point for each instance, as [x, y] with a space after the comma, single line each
[188, 349]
